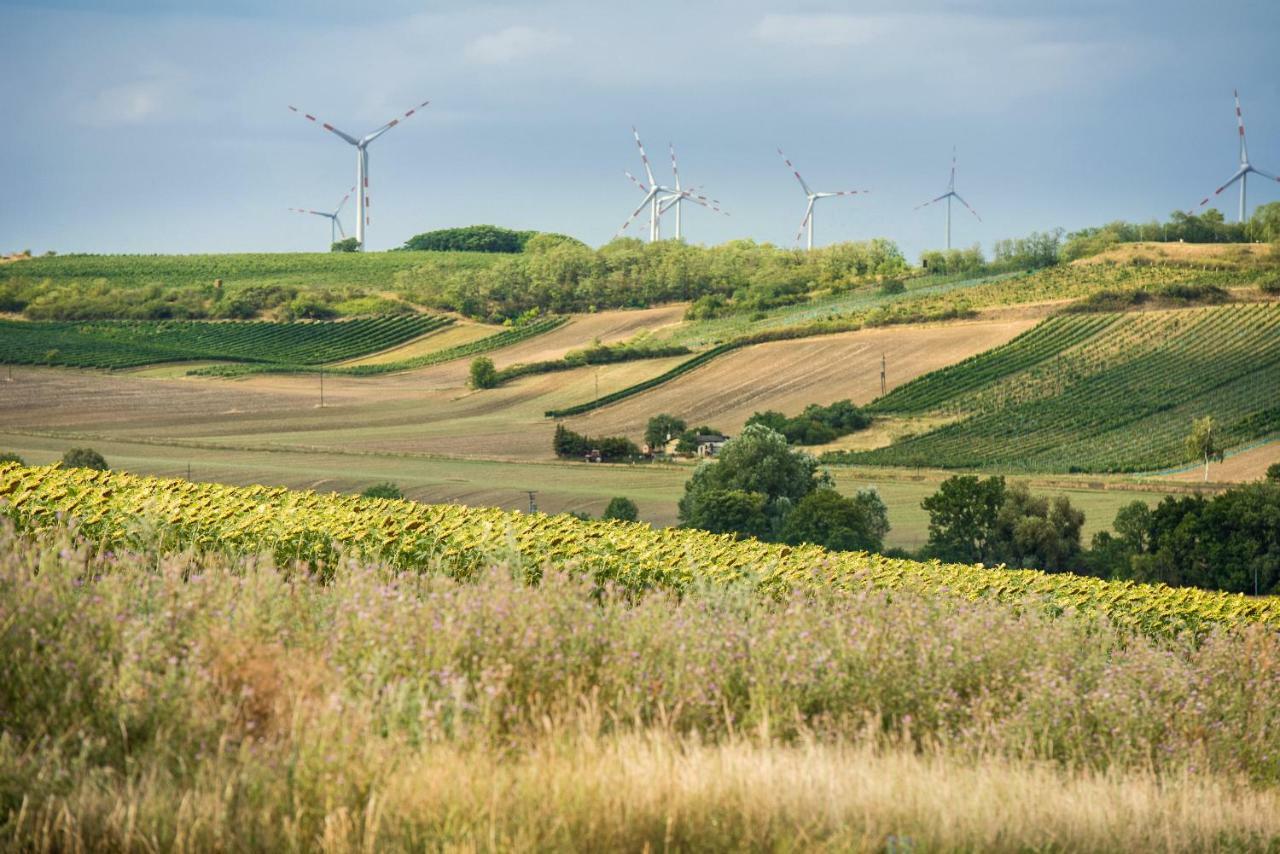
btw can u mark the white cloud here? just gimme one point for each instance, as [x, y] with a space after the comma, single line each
[513, 43]
[821, 30]
[132, 103]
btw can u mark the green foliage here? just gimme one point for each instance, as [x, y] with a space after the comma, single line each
[122, 344]
[566, 276]
[757, 462]
[661, 429]
[1229, 542]
[1273, 472]
[728, 511]
[1174, 295]
[10, 457]
[349, 244]
[483, 374]
[1209, 227]
[1096, 392]
[962, 518]
[597, 354]
[1202, 442]
[943, 262]
[817, 424]
[826, 518]
[383, 490]
[570, 445]
[471, 238]
[622, 509]
[1036, 250]
[889, 287]
[83, 458]
[687, 440]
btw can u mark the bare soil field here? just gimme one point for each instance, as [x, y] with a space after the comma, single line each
[1244, 466]
[790, 375]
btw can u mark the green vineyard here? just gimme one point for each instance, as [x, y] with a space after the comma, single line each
[117, 511]
[497, 340]
[126, 344]
[1097, 393]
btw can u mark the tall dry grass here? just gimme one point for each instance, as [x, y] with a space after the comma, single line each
[157, 702]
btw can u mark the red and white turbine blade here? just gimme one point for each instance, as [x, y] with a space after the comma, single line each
[635, 213]
[675, 170]
[397, 120]
[966, 204]
[644, 158]
[338, 209]
[697, 198]
[850, 192]
[636, 181]
[808, 212]
[330, 128]
[951, 184]
[1244, 151]
[1216, 192]
[796, 172]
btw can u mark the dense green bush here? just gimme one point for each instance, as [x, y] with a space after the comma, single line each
[622, 509]
[383, 490]
[483, 374]
[470, 238]
[84, 458]
[570, 445]
[10, 457]
[817, 424]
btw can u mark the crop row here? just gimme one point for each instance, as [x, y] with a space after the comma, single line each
[496, 341]
[1120, 400]
[117, 510]
[122, 344]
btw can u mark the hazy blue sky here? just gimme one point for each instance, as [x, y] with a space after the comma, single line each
[151, 126]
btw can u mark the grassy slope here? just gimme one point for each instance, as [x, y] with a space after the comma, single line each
[1099, 392]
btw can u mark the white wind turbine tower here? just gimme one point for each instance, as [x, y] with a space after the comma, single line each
[655, 201]
[362, 162]
[334, 222]
[1242, 173]
[949, 195]
[813, 197]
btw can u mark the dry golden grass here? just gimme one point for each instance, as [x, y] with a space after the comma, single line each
[654, 791]
[1226, 255]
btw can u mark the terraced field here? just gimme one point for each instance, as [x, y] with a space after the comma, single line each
[125, 344]
[119, 510]
[1097, 393]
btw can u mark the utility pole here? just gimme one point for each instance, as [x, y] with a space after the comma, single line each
[597, 385]
[883, 376]
[322, 386]
[188, 469]
[533, 504]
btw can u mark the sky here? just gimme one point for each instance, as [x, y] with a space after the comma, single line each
[157, 126]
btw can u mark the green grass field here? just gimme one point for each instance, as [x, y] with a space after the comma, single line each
[1097, 392]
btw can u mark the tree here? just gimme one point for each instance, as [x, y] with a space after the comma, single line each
[727, 511]
[623, 509]
[382, 490]
[962, 518]
[350, 244]
[1203, 443]
[757, 462]
[662, 428]
[1035, 532]
[10, 457]
[483, 373]
[826, 518]
[1273, 472]
[83, 458]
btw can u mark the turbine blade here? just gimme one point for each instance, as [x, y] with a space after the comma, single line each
[796, 172]
[330, 128]
[389, 125]
[1209, 198]
[698, 198]
[636, 212]
[808, 212]
[338, 209]
[951, 185]
[1263, 174]
[1244, 151]
[644, 158]
[966, 204]
[846, 193]
[341, 230]
[675, 170]
[931, 201]
[636, 181]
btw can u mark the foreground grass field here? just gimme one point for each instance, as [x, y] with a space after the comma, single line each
[163, 699]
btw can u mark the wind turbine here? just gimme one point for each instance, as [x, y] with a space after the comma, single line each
[679, 196]
[655, 201]
[334, 222]
[813, 197]
[362, 162]
[1242, 173]
[949, 195]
